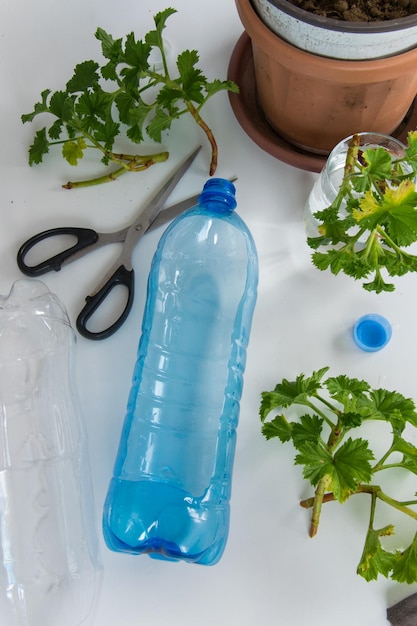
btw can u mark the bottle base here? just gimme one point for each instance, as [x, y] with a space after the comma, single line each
[164, 522]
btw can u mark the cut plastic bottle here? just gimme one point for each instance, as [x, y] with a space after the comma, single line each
[50, 568]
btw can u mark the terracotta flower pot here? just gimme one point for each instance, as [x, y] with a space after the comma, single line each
[313, 102]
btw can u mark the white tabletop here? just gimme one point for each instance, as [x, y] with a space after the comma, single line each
[271, 571]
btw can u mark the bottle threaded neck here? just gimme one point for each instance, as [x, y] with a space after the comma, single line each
[220, 194]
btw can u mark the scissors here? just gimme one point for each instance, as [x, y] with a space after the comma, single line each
[121, 272]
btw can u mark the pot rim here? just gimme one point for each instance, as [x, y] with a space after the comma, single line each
[271, 44]
[329, 23]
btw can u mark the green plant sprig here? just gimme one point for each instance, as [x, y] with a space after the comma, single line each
[143, 102]
[339, 465]
[373, 217]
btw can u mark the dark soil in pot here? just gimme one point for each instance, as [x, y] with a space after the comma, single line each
[359, 10]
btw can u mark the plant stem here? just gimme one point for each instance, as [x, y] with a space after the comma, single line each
[317, 504]
[351, 156]
[214, 150]
[307, 503]
[144, 164]
[319, 412]
[372, 511]
[349, 168]
[380, 465]
[387, 239]
[374, 490]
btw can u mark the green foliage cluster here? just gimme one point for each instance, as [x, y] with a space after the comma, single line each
[373, 217]
[339, 465]
[125, 95]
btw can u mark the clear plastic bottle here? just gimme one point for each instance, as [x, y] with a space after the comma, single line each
[49, 567]
[170, 492]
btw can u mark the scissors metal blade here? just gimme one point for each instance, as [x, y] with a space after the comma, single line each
[151, 209]
[141, 224]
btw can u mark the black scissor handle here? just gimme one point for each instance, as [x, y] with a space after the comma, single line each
[85, 237]
[121, 276]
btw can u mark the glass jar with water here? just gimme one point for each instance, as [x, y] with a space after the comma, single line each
[328, 183]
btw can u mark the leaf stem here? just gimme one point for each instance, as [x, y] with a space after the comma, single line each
[387, 239]
[374, 490]
[214, 149]
[138, 164]
[319, 412]
[317, 504]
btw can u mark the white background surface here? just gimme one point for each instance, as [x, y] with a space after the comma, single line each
[271, 572]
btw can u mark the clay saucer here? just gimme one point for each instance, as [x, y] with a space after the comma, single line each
[250, 117]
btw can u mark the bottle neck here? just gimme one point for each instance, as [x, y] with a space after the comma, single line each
[219, 195]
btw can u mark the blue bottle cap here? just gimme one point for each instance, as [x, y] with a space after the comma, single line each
[372, 332]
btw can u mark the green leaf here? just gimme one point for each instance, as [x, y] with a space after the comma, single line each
[400, 263]
[375, 560]
[220, 85]
[278, 427]
[268, 403]
[72, 151]
[378, 167]
[317, 461]
[350, 419]
[333, 231]
[131, 77]
[298, 391]
[351, 466]
[112, 49]
[378, 285]
[345, 470]
[347, 391]
[405, 567]
[62, 106]
[133, 112]
[128, 107]
[56, 129]
[40, 107]
[92, 107]
[309, 429]
[401, 223]
[192, 79]
[39, 147]
[341, 260]
[135, 133]
[390, 406]
[154, 37]
[167, 97]
[107, 133]
[136, 53]
[395, 211]
[158, 124]
[409, 452]
[85, 77]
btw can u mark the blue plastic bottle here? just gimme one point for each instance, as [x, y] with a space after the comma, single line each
[170, 492]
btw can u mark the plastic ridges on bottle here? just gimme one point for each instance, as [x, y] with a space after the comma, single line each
[170, 492]
[50, 569]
